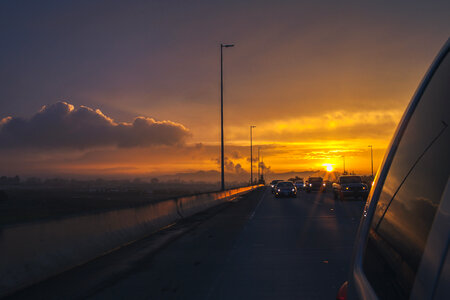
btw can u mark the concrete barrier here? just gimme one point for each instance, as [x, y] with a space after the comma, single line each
[194, 204]
[32, 252]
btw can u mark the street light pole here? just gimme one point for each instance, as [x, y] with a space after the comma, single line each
[221, 114]
[371, 158]
[262, 167]
[344, 163]
[251, 154]
[259, 166]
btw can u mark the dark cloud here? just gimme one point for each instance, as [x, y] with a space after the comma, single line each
[255, 159]
[265, 167]
[230, 166]
[238, 169]
[61, 125]
[235, 154]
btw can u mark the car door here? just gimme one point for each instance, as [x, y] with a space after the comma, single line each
[403, 207]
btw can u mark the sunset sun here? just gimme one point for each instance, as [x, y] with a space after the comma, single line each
[328, 167]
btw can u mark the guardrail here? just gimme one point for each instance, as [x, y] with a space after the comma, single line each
[32, 252]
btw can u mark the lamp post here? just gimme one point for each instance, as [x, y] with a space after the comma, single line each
[221, 113]
[371, 158]
[251, 154]
[259, 166]
[262, 168]
[343, 157]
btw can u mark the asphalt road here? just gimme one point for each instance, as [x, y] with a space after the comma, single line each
[258, 247]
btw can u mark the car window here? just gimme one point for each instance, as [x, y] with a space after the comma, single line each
[351, 179]
[411, 193]
[315, 179]
[285, 184]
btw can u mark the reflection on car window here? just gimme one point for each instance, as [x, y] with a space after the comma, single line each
[411, 193]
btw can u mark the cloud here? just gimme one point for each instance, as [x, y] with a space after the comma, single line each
[254, 158]
[61, 125]
[235, 154]
[238, 169]
[335, 125]
[231, 166]
[265, 167]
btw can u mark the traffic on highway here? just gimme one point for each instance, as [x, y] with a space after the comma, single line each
[225, 150]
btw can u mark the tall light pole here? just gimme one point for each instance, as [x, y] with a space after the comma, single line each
[343, 157]
[262, 167]
[259, 165]
[371, 158]
[221, 113]
[251, 154]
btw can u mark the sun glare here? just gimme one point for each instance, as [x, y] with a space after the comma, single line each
[328, 167]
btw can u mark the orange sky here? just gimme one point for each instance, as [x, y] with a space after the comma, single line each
[319, 81]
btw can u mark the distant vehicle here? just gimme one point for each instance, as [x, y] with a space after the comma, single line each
[299, 184]
[402, 246]
[315, 184]
[350, 186]
[274, 183]
[285, 188]
[3, 196]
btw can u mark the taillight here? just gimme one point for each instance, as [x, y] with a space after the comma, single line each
[342, 293]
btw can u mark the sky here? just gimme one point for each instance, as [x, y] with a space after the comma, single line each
[132, 88]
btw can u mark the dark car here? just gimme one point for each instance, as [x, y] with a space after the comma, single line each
[285, 188]
[350, 186]
[315, 184]
[273, 184]
[402, 246]
[299, 184]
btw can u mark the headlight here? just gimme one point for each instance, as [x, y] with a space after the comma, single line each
[346, 187]
[293, 190]
[323, 184]
[271, 185]
[310, 184]
[279, 190]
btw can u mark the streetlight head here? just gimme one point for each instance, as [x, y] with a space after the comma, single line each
[227, 45]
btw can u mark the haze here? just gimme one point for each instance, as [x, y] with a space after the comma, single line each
[131, 88]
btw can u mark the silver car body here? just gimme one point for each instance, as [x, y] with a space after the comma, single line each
[430, 278]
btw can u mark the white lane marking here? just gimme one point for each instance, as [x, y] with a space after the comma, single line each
[232, 252]
[257, 205]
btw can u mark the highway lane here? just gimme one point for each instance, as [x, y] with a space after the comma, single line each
[288, 248]
[258, 247]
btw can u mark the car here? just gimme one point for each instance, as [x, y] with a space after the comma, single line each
[285, 188]
[402, 245]
[299, 184]
[315, 184]
[350, 186]
[273, 184]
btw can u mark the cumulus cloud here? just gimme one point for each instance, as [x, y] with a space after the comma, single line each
[61, 125]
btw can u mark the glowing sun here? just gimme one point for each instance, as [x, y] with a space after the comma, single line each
[328, 167]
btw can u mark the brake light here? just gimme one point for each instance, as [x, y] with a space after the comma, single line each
[342, 293]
